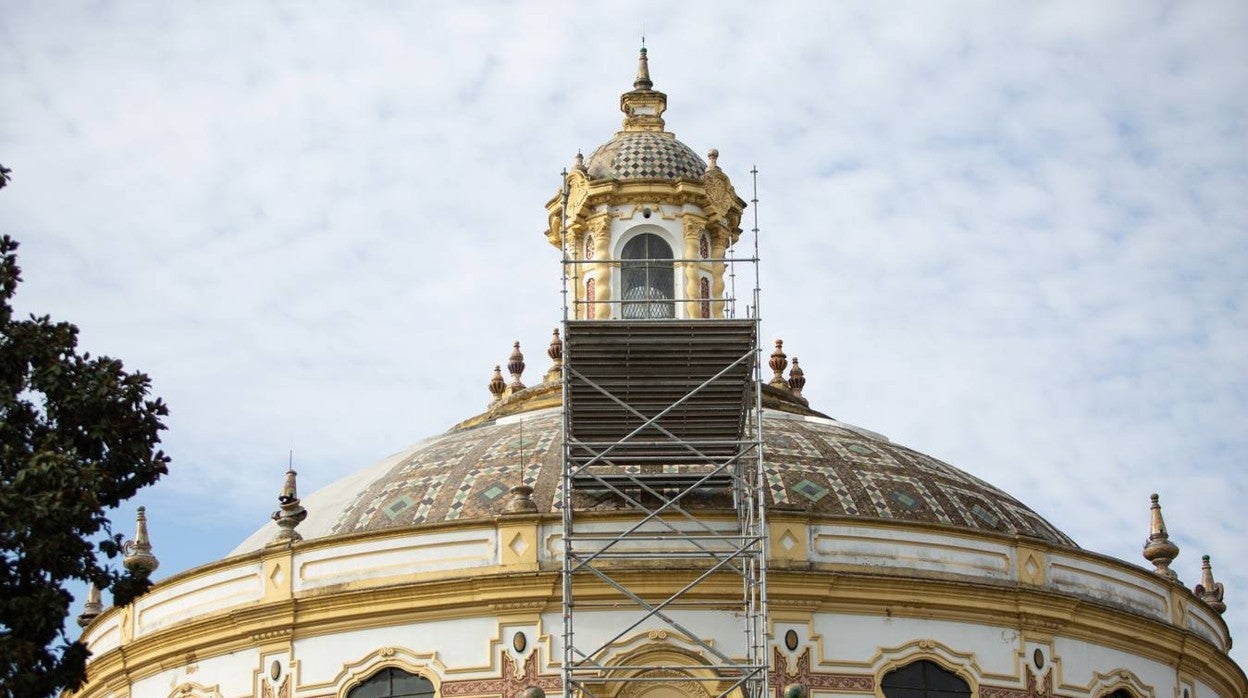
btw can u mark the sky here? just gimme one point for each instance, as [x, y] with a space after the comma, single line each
[1012, 235]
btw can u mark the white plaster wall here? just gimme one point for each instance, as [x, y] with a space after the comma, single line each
[1140, 591]
[1081, 661]
[104, 635]
[912, 550]
[594, 628]
[460, 548]
[232, 673]
[458, 644]
[1200, 620]
[856, 638]
[199, 595]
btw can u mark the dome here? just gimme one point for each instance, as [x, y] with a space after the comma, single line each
[644, 155]
[813, 464]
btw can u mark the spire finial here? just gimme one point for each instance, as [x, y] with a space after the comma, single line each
[92, 608]
[797, 379]
[515, 366]
[1209, 591]
[139, 559]
[778, 362]
[555, 352]
[578, 163]
[643, 70]
[496, 385]
[289, 512]
[1158, 549]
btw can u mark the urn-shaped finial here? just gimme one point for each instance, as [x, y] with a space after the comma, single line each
[520, 501]
[1209, 591]
[92, 608]
[139, 559]
[712, 159]
[497, 385]
[289, 512]
[515, 366]
[797, 379]
[578, 163]
[778, 363]
[555, 352]
[1158, 549]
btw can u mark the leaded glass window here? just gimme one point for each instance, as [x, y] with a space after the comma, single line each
[924, 679]
[393, 683]
[647, 282]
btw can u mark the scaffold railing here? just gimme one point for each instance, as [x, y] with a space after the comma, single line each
[662, 426]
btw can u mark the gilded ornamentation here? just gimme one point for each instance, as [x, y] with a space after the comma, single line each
[578, 192]
[719, 192]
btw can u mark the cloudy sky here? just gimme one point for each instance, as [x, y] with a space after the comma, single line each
[1011, 235]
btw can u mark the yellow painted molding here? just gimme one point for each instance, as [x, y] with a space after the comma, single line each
[518, 543]
[789, 541]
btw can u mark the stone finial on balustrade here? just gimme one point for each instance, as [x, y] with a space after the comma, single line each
[1209, 591]
[138, 557]
[290, 513]
[778, 363]
[555, 352]
[515, 366]
[92, 608]
[1158, 549]
[496, 385]
[797, 379]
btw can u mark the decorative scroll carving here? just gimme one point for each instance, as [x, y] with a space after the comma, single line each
[800, 672]
[1034, 689]
[512, 682]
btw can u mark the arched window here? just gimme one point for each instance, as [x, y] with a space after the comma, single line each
[1120, 693]
[393, 683]
[924, 679]
[647, 284]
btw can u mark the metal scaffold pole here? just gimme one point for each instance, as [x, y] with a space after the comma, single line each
[662, 428]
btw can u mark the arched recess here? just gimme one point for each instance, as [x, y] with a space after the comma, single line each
[392, 682]
[683, 674]
[647, 283]
[923, 678]
[351, 676]
[960, 664]
[1119, 683]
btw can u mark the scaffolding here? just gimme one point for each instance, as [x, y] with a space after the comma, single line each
[661, 421]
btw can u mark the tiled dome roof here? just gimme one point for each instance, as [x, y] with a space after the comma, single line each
[816, 465]
[645, 155]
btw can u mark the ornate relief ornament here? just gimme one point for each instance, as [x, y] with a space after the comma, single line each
[578, 193]
[719, 191]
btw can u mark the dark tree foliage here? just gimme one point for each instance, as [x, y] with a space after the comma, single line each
[78, 435]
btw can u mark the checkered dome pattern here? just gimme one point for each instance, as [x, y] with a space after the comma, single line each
[819, 467]
[644, 155]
